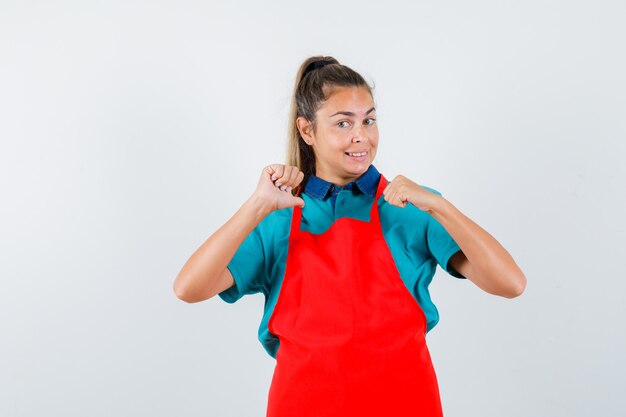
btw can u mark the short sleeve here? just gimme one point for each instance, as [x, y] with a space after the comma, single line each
[441, 245]
[247, 267]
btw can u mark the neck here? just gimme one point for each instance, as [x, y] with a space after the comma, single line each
[337, 178]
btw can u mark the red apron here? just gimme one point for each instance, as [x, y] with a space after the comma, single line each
[352, 337]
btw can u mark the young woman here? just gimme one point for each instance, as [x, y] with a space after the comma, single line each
[344, 258]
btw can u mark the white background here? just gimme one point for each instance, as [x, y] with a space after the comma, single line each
[131, 131]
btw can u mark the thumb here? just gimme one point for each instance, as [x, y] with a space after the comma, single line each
[299, 201]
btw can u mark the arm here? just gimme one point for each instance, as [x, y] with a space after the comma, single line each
[482, 259]
[205, 274]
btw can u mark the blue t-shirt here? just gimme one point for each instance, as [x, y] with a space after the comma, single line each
[417, 241]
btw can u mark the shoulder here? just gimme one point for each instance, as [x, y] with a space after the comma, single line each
[275, 224]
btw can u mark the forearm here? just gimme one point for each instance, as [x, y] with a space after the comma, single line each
[494, 270]
[203, 269]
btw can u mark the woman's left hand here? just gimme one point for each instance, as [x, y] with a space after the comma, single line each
[400, 191]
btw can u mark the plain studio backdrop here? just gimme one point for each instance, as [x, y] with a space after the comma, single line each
[131, 131]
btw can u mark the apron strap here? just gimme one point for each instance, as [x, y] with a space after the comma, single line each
[382, 183]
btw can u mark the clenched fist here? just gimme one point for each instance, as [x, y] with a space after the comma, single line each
[401, 191]
[275, 185]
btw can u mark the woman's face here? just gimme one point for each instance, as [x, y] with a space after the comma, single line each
[346, 123]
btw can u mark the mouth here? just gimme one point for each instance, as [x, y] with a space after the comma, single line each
[357, 156]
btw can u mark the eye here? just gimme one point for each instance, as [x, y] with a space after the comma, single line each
[372, 119]
[343, 121]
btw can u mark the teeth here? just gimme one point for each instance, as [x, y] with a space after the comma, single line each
[357, 154]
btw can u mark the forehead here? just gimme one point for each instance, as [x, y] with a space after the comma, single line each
[353, 99]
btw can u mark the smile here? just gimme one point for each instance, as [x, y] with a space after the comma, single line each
[357, 156]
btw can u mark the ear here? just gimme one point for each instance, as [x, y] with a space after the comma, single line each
[305, 128]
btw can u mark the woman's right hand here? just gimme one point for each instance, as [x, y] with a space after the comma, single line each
[275, 185]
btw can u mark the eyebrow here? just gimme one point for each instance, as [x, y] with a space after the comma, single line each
[349, 113]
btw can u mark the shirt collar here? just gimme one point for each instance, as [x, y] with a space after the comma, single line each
[367, 183]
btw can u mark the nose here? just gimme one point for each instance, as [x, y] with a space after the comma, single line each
[359, 134]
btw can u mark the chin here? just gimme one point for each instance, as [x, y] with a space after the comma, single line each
[358, 168]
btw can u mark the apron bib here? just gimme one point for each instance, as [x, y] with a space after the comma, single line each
[352, 337]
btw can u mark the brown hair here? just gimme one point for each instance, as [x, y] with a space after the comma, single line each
[315, 80]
